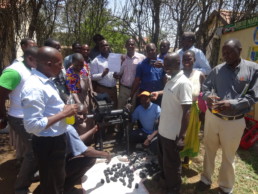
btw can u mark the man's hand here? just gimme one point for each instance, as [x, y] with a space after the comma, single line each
[108, 157]
[70, 110]
[180, 143]
[211, 100]
[158, 64]
[129, 100]
[222, 105]
[105, 72]
[147, 142]
[154, 95]
[116, 76]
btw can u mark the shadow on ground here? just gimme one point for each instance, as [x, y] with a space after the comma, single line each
[8, 172]
[250, 156]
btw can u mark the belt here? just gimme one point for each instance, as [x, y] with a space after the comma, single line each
[126, 86]
[227, 118]
[105, 86]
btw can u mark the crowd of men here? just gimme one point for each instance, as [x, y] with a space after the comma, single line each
[160, 88]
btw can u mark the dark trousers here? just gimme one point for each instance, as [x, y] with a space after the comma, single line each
[29, 163]
[137, 136]
[75, 168]
[170, 163]
[50, 152]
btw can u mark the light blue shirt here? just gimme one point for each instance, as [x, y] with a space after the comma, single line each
[97, 67]
[201, 63]
[68, 60]
[75, 146]
[39, 100]
[147, 117]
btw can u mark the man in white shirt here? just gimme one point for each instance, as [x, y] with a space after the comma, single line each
[104, 79]
[11, 83]
[176, 103]
[201, 63]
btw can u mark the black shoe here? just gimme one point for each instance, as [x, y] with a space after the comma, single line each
[201, 186]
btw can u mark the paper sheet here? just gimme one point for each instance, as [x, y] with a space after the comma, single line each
[114, 62]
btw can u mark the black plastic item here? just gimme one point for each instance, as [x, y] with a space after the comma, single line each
[136, 186]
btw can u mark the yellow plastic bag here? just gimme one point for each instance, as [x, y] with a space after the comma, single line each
[192, 142]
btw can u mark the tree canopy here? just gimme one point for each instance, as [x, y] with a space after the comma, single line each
[144, 20]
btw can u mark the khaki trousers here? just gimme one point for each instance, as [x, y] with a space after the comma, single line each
[227, 135]
[124, 94]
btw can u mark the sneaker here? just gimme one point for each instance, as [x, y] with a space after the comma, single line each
[201, 186]
[223, 192]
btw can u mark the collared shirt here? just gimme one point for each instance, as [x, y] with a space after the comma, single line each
[177, 92]
[147, 117]
[39, 100]
[97, 67]
[201, 63]
[239, 86]
[150, 76]
[128, 69]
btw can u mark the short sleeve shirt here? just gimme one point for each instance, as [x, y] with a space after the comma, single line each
[147, 117]
[75, 146]
[150, 76]
[10, 79]
[178, 91]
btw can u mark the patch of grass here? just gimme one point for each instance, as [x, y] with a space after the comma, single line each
[246, 171]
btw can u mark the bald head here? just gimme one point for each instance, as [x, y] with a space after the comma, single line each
[231, 51]
[77, 57]
[234, 43]
[78, 62]
[172, 63]
[49, 61]
[30, 56]
[151, 51]
[164, 47]
[53, 43]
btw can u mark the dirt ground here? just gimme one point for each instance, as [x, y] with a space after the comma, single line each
[9, 167]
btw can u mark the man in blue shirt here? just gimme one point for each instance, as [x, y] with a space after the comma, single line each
[164, 49]
[44, 117]
[149, 77]
[147, 114]
[201, 63]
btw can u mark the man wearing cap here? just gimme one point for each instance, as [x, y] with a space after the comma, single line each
[147, 113]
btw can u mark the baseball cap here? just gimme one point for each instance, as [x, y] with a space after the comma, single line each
[144, 93]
